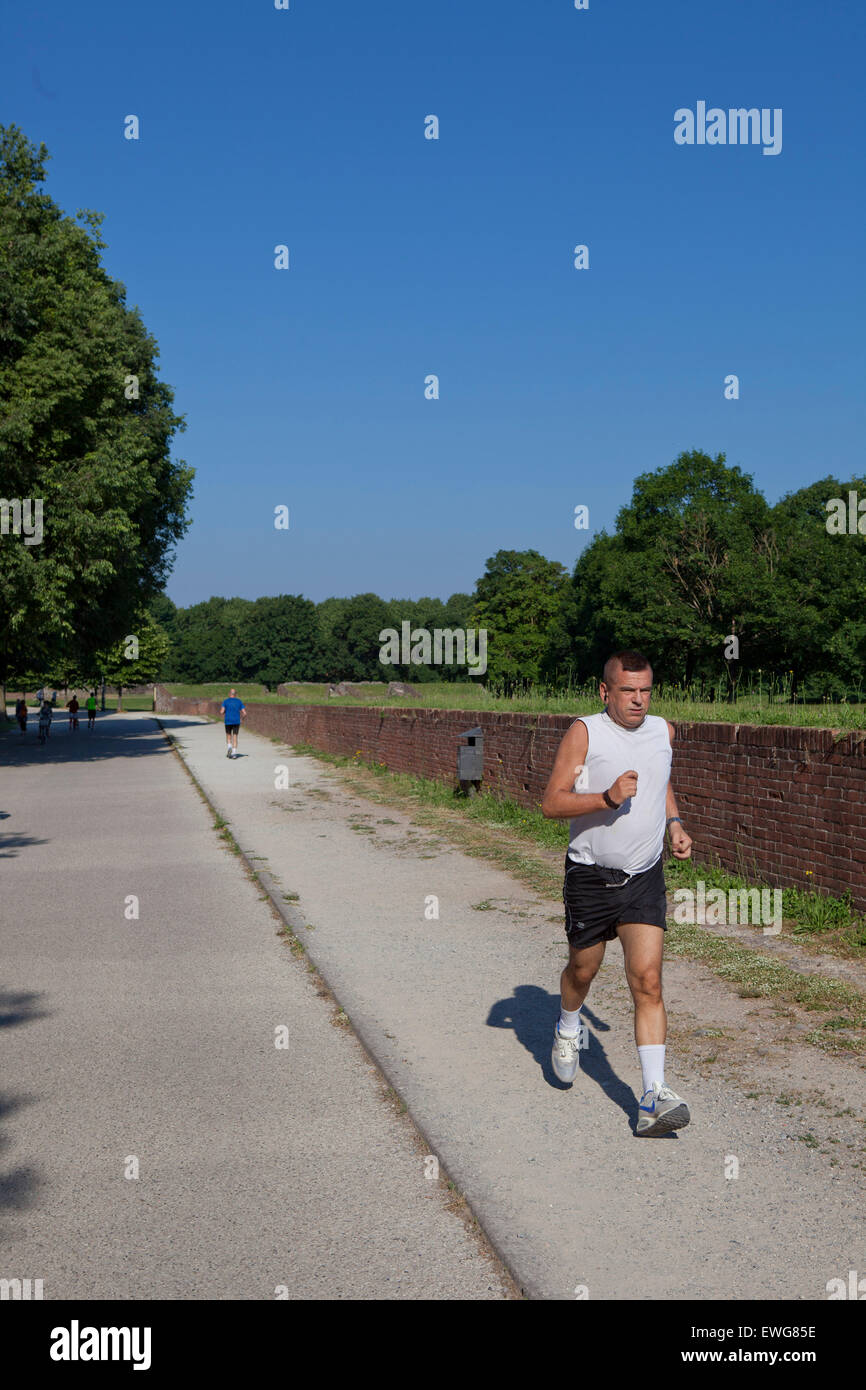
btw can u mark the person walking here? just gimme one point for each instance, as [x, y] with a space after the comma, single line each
[21, 713]
[233, 711]
[91, 710]
[73, 707]
[611, 780]
[45, 717]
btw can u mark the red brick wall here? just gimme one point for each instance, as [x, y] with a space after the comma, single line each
[773, 800]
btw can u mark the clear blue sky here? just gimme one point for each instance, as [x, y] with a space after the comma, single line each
[408, 257]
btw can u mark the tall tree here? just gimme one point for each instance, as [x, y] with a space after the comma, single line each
[816, 608]
[691, 563]
[136, 659]
[352, 652]
[85, 431]
[516, 601]
[279, 641]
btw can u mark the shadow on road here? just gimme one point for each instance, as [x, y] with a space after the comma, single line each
[13, 843]
[115, 736]
[16, 1008]
[19, 1185]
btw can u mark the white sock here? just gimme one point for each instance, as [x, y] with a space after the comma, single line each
[569, 1021]
[652, 1064]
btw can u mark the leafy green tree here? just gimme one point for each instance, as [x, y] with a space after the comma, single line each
[516, 600]
[691, 563]
[458, 610]
[328, 613]
[279, 641]
[429, 614]
[698, 556]
[204, 639]
[136, 659]
[816, 622]
[85, 430]
[352, 652]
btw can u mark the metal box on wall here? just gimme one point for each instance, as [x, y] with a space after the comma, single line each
[470, 756]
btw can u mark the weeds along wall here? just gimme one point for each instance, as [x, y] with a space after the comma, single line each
[785, 805]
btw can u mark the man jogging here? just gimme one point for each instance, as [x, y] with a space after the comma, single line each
[611, 779]
[234, 710]
[91, 710]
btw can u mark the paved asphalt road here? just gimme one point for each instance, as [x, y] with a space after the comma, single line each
[152, 1038]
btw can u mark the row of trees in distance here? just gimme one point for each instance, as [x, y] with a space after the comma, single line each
[696, 557]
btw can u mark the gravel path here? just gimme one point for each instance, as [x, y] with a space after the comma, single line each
[459, 1010]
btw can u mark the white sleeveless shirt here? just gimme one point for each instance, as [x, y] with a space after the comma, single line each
[632, 837]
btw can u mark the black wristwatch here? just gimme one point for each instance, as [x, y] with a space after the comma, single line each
[614, 805]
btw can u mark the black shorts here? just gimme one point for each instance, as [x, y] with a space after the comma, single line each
[599, 900]
[232, 728]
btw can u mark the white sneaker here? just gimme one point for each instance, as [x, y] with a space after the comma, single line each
[565, 1057]
[661, 1110]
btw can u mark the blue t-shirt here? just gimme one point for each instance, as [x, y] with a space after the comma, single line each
[233, 707]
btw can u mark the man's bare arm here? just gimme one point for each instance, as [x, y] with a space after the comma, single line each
[560, 801]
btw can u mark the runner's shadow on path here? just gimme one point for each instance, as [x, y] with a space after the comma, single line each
[532, 1012]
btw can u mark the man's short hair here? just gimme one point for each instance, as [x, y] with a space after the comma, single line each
[628, 660]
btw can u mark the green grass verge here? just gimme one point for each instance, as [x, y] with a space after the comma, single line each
[218, 690]
[759, 975]
[813, 914]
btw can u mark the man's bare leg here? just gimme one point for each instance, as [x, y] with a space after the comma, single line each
[576, 978]
[582, 968]
[642, 946]
[661, 1109]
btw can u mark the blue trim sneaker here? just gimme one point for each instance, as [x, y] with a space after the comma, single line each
[661, 1110]
[565, 1056]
